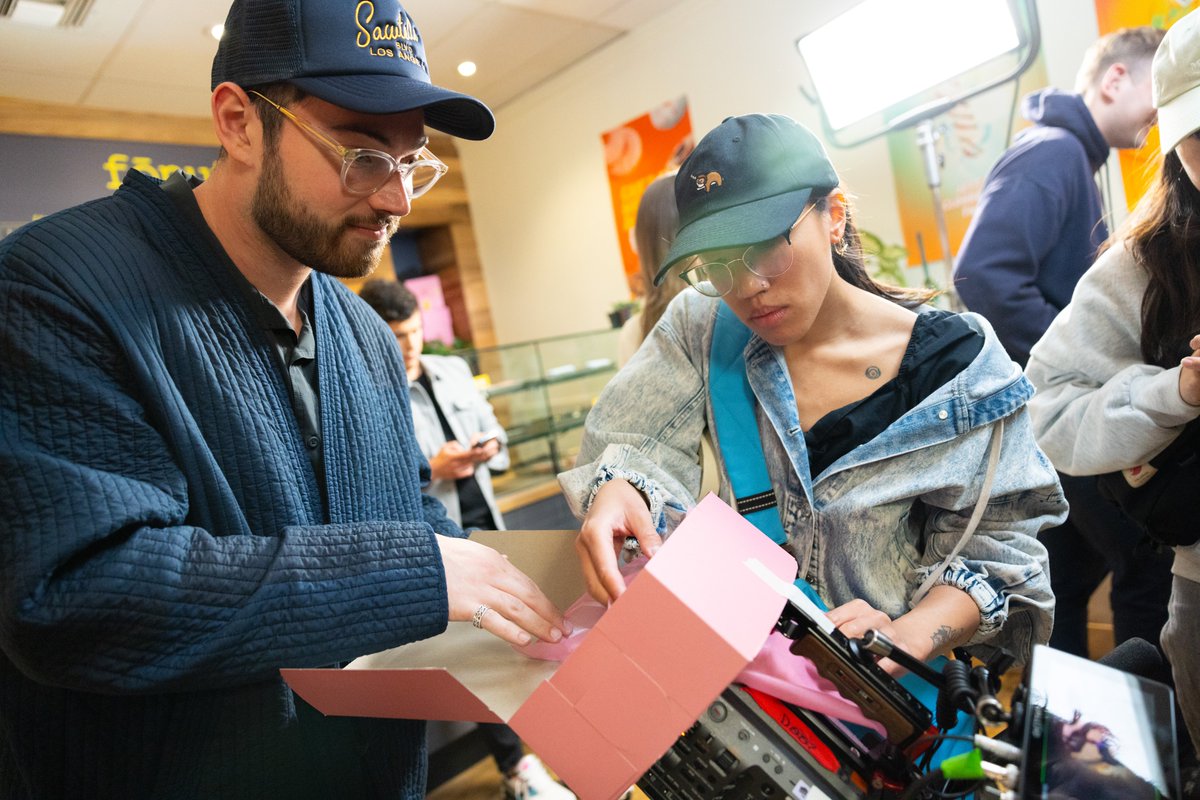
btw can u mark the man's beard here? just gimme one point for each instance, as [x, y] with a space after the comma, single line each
[309, 240]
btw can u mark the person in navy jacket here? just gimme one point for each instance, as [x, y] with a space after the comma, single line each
[207, 455]
[1037, 229]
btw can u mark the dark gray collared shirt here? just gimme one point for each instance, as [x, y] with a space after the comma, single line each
[297, 353]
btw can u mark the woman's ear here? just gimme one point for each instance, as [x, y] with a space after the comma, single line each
[236, 123]
[837, 217]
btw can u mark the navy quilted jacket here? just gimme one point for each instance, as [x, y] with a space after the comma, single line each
[163, 545]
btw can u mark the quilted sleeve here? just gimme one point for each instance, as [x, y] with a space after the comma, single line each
[104, 586]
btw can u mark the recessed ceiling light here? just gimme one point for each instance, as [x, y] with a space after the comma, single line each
[42, 14]
[466, 69]
[217, 31]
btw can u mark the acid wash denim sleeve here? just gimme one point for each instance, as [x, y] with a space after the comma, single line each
[876, 522]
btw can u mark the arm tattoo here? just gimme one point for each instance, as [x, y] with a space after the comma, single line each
[944, 635]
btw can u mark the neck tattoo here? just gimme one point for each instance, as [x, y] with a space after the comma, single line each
[873, 372]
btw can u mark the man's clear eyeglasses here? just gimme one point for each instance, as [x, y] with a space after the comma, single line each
[366, 171]
[768, 259]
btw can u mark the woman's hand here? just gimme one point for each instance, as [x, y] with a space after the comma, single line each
[857, 617]
[945, 618]
[617, 511]
[1189, 374]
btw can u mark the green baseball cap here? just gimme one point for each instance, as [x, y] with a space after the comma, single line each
[746, 182]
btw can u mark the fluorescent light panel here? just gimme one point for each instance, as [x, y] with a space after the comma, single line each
[36, 12]
[882, 52]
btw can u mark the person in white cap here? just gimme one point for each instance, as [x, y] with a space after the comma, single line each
[1118, 372]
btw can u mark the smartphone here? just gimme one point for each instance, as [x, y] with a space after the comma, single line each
[485, 438]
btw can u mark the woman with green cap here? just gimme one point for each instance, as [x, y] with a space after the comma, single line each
[883, 443]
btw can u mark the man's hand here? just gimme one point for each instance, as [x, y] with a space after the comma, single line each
[477, 575]
[452, 462]
[1189, 374]
[486, 451]
[618, 511]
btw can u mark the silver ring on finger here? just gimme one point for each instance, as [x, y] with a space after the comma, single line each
[477, 619]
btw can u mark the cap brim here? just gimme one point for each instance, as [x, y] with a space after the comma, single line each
[1178, 119]
[449, 112]
[746, 224]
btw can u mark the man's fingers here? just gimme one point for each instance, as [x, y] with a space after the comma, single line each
[492, 621]
[523, 604]
[477, 575]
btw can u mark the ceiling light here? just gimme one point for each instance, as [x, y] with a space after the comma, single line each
[466, 69]
[217, 31]
[46, 13]
[32, 12]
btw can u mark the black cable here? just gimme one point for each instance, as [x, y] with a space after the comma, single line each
[975, 786]
[926, 757]
[922, 783]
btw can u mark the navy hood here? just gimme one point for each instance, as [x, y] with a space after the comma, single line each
[1054, 108]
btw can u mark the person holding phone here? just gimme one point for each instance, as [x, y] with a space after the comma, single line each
[456, 427]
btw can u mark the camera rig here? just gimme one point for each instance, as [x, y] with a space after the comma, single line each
[749, 744]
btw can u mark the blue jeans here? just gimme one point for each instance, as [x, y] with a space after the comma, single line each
[1095, 540]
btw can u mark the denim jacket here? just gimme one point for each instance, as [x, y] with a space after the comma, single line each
[878, 520]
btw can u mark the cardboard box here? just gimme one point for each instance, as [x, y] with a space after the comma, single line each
[697, 614]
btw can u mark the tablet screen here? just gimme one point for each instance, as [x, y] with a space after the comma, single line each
[1093, 732]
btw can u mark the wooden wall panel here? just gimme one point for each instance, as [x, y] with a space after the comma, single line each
[444, 211]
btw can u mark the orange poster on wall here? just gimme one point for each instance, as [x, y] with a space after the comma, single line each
[1138, 167]
[636, 153]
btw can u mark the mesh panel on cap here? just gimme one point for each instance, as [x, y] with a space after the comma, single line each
[267, 48]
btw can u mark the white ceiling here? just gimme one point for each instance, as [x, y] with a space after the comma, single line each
[155, 55]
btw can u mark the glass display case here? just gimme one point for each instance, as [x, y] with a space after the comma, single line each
[542, 391]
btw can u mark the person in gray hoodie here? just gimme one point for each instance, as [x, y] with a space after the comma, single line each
[1118, 372]
[1037, 229]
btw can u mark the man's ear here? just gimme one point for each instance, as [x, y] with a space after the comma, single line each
[1112, 79]
[236, 123]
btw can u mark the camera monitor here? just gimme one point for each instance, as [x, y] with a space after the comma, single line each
[1093, 732]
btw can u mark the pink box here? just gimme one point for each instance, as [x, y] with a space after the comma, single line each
[697, 614]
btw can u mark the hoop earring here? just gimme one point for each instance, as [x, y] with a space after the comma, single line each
[839, 246]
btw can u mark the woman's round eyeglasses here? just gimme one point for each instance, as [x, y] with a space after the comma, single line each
[366, 171]
[768, 259]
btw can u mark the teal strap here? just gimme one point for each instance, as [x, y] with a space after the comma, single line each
[736, 429]
[736, 433]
